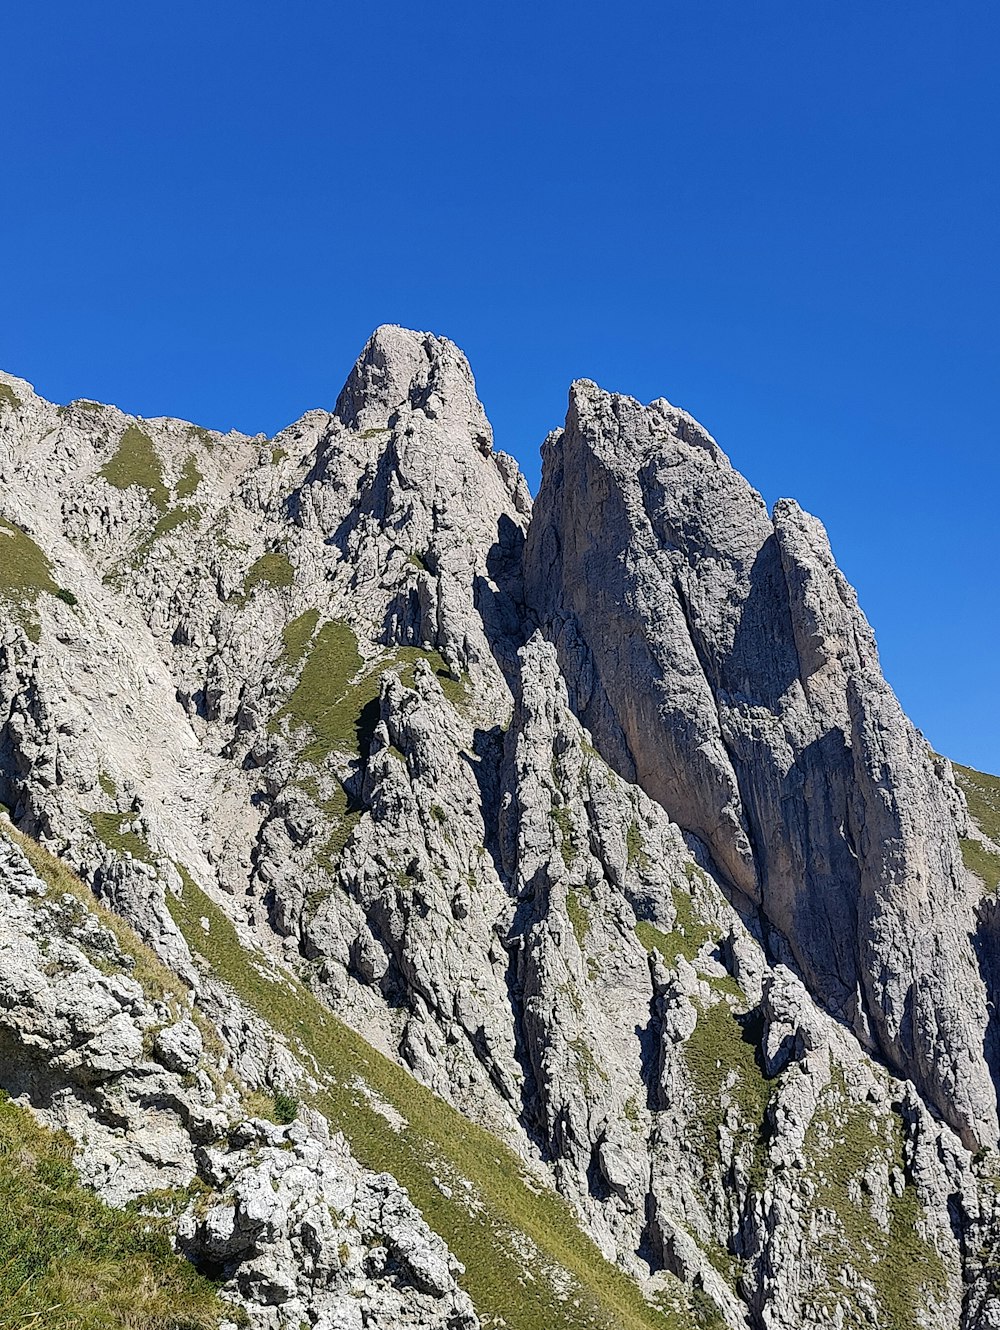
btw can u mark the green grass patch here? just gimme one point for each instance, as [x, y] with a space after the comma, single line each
[335, 698]
[70, 1262]
[109, 828]
[494, 1208]
[724, 1041]
[982, 794]
[334, 708]
[136, 462]
[286, 1107]
[172, 520]
[983, 862]
[190, 479]
[323, 699]
[25, 573]
[9, 397]
[341, 821]
[278, 455]
[405, 658]
[79, 404]
[654, 939]
[579, 915]
[273, 569]
[202, 435]
[635, 846]
[561, 817]
[296, 636]
[689, 933]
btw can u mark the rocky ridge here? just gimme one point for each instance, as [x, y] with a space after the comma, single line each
[597, 818]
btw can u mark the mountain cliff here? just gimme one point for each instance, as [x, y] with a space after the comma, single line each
[423, 907]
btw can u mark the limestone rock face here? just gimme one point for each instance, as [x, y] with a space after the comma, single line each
[75, 1026]
[569, 874]
[307, 1236]
[301, 1230]
[720, 660]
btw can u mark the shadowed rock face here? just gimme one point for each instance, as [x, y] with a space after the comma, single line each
[720, 660]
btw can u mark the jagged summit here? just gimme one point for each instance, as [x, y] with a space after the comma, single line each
[568, 871]
[403, 369]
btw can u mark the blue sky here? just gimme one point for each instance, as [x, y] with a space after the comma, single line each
[782, 216]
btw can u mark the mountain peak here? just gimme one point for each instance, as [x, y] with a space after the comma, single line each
[401, 370]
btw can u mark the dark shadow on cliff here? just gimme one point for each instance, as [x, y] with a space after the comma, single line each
[506, 619]
[764, 661]
[986, 944]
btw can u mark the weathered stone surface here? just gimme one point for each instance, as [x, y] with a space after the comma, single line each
[304, 1235]
[720, 659]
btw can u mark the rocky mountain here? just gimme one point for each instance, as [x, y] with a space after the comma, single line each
[426, 907]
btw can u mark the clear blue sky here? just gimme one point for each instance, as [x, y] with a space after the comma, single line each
[780, 215]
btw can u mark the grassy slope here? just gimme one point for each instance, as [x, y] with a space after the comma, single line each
[520, 1242]
[335, 698]
[982, 794]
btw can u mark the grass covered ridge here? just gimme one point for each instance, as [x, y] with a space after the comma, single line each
[158, 981]
[136, 462]
[67, 1260]
[982, 794]
[528, 1263]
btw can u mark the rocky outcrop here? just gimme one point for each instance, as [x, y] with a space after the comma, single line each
[302, 1234]
[720, 659]
[102, 1043]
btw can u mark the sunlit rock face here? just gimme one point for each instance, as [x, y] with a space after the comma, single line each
[509, 849]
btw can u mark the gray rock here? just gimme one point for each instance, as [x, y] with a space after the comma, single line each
[720, 659]
[179, 1046]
